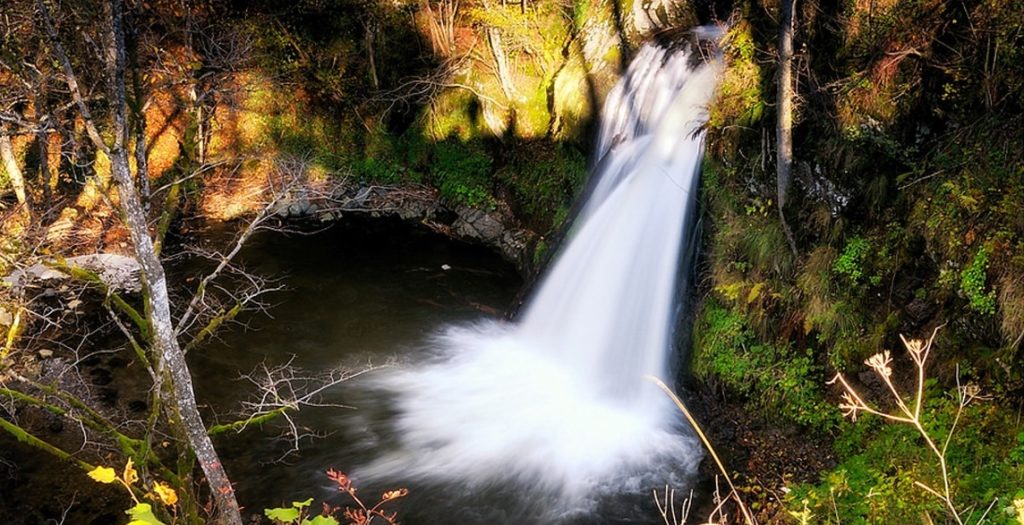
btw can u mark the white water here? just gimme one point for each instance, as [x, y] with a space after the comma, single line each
[558, 399]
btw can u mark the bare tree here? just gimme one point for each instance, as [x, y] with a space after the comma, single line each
[171, 370]
[494, 43]
[784, 106]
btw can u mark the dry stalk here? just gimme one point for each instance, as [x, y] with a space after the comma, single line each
[747, 516]
[909, 411]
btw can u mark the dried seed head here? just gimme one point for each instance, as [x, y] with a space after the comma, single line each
[914, 346]
[880, 363]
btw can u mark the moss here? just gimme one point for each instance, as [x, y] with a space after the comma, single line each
[740, 100]
[770, 377]
[544, 178]
[455, 113]
[462, 171]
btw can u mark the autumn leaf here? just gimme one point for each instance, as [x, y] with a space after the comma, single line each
[130, 474]
[103, 474]
[392, 494]
[343, 481]
[166, 494]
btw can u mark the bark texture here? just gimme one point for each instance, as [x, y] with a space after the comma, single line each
[169, 360]
[14, 173]
[784, 125]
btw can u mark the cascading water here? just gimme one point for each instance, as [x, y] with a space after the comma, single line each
[558, 399]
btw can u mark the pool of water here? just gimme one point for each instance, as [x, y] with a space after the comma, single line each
[369, 294]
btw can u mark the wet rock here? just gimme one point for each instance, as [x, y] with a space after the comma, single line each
[919, 310]
[477, 224]
[56, 425]
[653, 15]
[117, 362]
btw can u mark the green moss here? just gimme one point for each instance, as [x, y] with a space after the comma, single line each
[740, 100]
[771, 377]
[462, 171]
[454, 113]
[544, 179]
[972, 284]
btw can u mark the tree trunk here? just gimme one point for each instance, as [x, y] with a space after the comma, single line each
[500, 59]
[784, 104]
[139, 127]
[371, 45]
[500, 62]
[14, 173]
[169, 360]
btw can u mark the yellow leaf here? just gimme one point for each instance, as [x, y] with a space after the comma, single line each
[103, 474]
[130, 474]
[165, 493]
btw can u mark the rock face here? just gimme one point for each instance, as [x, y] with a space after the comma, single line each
[421, 205]
[650, 16]
[477, 224]
[118, 272]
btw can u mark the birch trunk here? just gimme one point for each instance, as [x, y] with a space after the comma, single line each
[784, 125]
[169, 360]
[500, 62]
[14, 173]
[500, 58]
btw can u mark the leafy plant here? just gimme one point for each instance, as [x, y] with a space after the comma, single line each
[770, 376]
[850, 263]
[462, 173]
[972, 284]
[141, 513]
[936, 453]
[298, 512]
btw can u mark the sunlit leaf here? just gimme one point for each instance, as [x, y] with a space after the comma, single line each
[130, 474]
[103, 474]
[320, 520]
[284, 515]
[302, 504]
[166, 494]
[142, 514]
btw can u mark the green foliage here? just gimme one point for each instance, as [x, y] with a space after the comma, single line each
[462, 171]
[850, 263]
[544, 179]
[972, 284]
[771, 377]
[740, 100]
[142, 514]
[880, 463]
[292, 514]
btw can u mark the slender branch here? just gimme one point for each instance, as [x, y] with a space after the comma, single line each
[747, 516]
[71, 78]
[31, 440]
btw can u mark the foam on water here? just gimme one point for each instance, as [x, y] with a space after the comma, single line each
[558, 398]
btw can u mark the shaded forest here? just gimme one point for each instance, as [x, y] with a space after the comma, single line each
[902, 214]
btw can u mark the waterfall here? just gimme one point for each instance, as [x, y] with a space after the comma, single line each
[557, 399]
